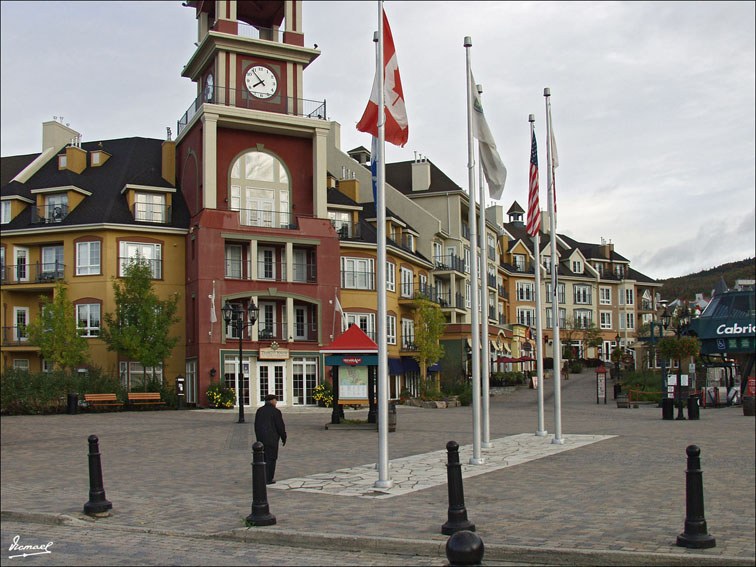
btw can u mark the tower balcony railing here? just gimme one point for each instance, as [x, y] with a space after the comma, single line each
[241, 98]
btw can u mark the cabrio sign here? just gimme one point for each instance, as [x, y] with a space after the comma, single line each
[352, 360]
[735, 329]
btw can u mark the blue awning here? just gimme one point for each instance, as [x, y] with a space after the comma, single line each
[410, 364]
[435, 367]
[396, 366]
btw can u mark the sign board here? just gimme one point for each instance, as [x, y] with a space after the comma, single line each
[274, 353]
[353, 383]
[683, 379]
[600, 387]
[692, 368]
[534, 381]
[670, 391]
[751, 388]
[672, 380]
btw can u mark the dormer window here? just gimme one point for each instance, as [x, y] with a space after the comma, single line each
[150, 207]
[519, 262]
[577, 267]
[56, 207]
[5, 217]
[62, 162]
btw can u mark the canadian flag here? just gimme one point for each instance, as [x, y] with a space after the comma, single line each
[397, 130]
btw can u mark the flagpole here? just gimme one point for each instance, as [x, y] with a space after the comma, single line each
[540, 432]
[383, 465]
[474, 322]
[484, 366]
[557, 352]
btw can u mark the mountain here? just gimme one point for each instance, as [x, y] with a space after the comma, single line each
[686, 287]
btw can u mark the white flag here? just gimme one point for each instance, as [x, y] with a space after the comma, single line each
[213, 317]
[493, 167]
[338, 308]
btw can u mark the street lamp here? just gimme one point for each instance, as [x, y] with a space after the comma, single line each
[617, 362]
[665, 319]
[234, 313]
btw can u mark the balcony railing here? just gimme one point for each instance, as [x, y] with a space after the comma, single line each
[267, 218]
[492, 281]
[272, 331]
[346, 229]
[15, 335]
[502, 319]
[148, 212]
[492, 313]
[241, 98]
[450, 262]
[356, 279]
[408, 343]
[156, 266]
[449, 301]
[49, 213]
[271, 271]
[39, 272]
[503, 292]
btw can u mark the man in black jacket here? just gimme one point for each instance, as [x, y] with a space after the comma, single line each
[269, 428]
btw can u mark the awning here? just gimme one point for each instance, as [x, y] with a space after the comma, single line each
[435, 367]
[410, 364]
[506, 359]
[396, 366]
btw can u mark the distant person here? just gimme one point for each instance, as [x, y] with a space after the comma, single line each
[269, 428]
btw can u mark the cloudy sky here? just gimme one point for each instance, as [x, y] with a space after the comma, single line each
[653, 103]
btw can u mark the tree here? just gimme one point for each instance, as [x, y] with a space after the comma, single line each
[140, 326]
[592, 337]
[56, 334]
[429, 326]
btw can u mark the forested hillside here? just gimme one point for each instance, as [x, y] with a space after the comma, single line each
[686, 287]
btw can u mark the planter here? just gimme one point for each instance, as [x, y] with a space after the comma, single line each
[622, 401]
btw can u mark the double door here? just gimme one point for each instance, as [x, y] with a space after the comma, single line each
[271, 379]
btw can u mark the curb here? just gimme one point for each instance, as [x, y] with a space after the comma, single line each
[405, 546]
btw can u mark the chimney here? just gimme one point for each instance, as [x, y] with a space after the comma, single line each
[76, 158]
[421, 174]
[606, 249]
[56, 135]
[168, 169]
[350, 188]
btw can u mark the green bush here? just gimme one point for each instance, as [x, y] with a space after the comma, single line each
[576, 367]
[220, 397]
[645, 381]
[465, 397]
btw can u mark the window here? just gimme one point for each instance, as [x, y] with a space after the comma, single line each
[562, 317]
[357, 273]
[468, 294]
[630, 320]
[266, 264]
[407, 282]
[87, 258]
[88, 319]
[577, 267]
[266, 324]
[301, 317]
[519, 262]
[5, 217]
[56, 207]
[62, 161]
[605, 295]
[260, 190]
[560, 289]
[438, 253]
[525, 291]
[599, 268]
[605, 319]
[304, 379]
[21, 363]
[21, 321]
[150, 253]
[583, 318]
[341, 222]
[365, 321]
[526, 316]
[629, 296]
[582, 294]
[233, 261]
[619, 270]
[136, 377]
[467, 260]
[408, 334]
[149, 207]
[547, 264]
[52, 262]
[408, 242]
[304, 269]
[21, 261]
[391, 329]
[390, 276]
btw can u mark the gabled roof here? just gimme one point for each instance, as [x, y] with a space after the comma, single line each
[399, 176]
[353, 340]
[515, 208]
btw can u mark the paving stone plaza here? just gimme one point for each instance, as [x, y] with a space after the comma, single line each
[613, 493]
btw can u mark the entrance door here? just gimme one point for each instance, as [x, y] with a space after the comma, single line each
[271, 379]
[231, 377]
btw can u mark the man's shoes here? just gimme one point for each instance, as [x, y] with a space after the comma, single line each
[271, 482]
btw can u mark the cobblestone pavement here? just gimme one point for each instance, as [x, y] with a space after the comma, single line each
[190, 472]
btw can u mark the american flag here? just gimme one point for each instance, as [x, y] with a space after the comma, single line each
[534, 209]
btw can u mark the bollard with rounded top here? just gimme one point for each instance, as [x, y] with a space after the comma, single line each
[695, 535]
[260, 515]
[457, 512]
[464, 548]
[97, 505]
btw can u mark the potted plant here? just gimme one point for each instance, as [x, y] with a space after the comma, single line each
[323, 395]
[220, 397]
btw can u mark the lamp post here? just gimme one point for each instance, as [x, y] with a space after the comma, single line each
[617, 362]
[665, 319]
[234, 312]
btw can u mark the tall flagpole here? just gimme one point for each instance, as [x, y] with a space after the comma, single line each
[484, 369]
[554, 288]
[383, 465]
[474, 322]
[540, 432]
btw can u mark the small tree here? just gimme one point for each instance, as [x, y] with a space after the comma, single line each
[592, 337]
[56, 334]
[429, 326]
[139, 327]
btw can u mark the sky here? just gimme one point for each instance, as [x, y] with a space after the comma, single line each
[653, 103]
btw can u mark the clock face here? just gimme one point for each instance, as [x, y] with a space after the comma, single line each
[209, 88]
[261, 82]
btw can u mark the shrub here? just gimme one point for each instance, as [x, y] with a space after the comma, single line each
[323, 393]
[465, 397]
[220, 397]
[576, 367]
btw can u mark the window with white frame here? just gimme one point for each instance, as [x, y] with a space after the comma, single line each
[468, 294]
[260, 190]
[467, 260]
[365, 321]
[525, 291]
[408, 334]
[519, 262]
[390, 276]
[583, 318]
[526, 316]
[233, 261]
[88, 319]
[391, 329]
[438, 253]
[407, 282]
[629, 296]
[149, 207]
[56, 207]
[582, 294]
[88, 258]
[5, 216]
[630, 320]
[357, 273]
[266, 264]
[605, 319]
[577, 267]
[560, 290]
[52, 261]
[134, 376]
[21, 263]
[491, 247]
[547, 264]
[144, 251]
[342, 223]
[599, 268]
[21, 321]
[562, 317]
[409, 241]
[605, 295]
[619, 270]
[21, 363]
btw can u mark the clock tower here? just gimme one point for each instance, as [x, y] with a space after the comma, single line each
[251, 165]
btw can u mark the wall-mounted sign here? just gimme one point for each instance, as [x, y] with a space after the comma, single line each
[274, 353]
[352, 360]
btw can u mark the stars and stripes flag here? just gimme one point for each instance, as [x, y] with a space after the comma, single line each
[534, 208]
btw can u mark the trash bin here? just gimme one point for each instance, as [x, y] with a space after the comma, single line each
[748, 405]
[617, 389]
[693, 409]
[73, 404]
[668, 408]
[392, 416]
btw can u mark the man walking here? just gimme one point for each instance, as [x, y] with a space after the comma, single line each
[269, 428]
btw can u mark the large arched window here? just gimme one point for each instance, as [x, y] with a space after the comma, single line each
[260, 190]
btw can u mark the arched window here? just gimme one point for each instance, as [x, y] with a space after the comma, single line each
[260, 190]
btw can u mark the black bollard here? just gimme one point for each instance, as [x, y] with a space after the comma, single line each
[695, 535]
[464, 548]
[680, 415]
[260, 515]
[97, 505]
[457, 512]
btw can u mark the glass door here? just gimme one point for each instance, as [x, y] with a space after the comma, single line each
[271, 379]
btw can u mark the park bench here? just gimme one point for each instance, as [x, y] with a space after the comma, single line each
[145, 398]
[103, 400]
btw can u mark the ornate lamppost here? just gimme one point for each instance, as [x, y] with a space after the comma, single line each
[233, 313]
[665, 319]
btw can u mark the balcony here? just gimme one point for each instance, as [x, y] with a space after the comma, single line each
[49, 214]
[408, 343]
[346, 229]
[148, 212]
[450, 262]
[503, 292]
[32, 273]
[266, 218]
[449, 301]
[241, 98]
[492, 281]
[15, 336]
[358, 279]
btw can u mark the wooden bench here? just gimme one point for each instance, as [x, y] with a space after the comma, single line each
[103, 400]
[144, 398]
